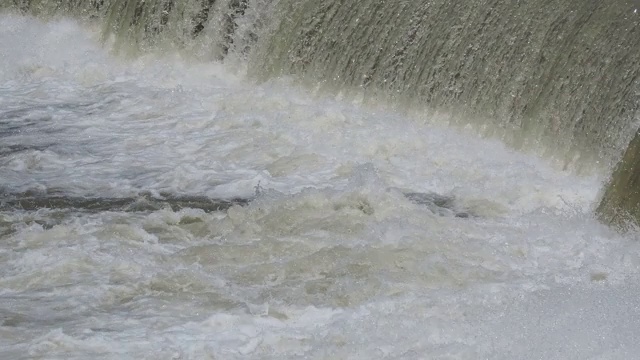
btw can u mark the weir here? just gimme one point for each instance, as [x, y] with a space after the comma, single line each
[560, 77]
[556, 75]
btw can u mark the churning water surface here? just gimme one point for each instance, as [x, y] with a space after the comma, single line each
[162, 208]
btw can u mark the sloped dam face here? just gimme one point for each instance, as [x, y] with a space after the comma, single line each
[280, 179]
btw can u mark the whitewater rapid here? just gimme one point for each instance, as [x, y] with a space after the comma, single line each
[361, 233]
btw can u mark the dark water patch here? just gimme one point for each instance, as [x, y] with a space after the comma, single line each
[13, 149]
[38, 118]
[10, 124]
[439, 204]
[147, 202]
[27, 112]
[12, 224]
[142, 203]
[5, 227]
[39, 309]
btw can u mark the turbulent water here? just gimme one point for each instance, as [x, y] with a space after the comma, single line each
[170, 208]
[558, 76]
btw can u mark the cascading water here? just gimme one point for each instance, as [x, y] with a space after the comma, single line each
[561, 74]
[272, 179]
[559, 77]
[206, 28]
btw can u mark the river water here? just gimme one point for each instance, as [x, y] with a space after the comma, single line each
[160, 207]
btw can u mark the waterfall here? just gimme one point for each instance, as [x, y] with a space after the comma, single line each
[208, 29]
[561, 77]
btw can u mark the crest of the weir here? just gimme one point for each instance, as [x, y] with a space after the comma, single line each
[561, 76]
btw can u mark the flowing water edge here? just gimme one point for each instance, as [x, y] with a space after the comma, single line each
[168, 208]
